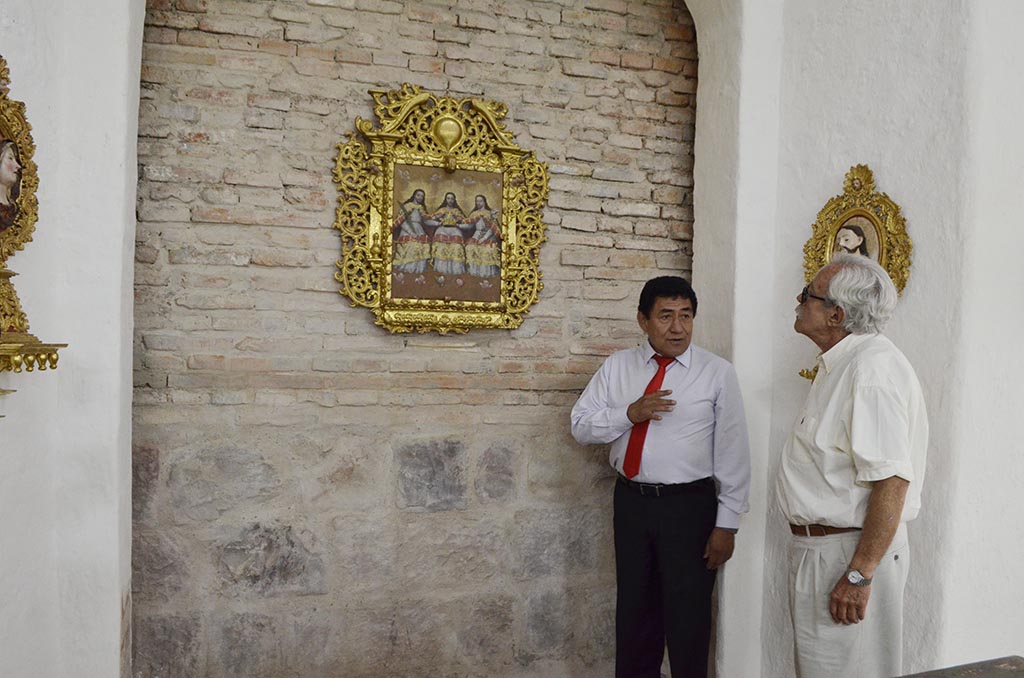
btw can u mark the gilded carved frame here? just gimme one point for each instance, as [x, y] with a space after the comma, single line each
[19, 211]
[874, 227]
[411, 252]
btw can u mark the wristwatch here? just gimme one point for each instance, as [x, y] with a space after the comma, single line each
[856, 578]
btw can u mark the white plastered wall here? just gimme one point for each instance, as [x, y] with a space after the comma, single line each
[65, 465]
[926, 92]
[734, 178]
[983, 615]
[791, 94]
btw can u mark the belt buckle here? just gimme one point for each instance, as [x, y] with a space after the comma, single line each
[648, 487]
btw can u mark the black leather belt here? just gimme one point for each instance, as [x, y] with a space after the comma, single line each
[664, 490]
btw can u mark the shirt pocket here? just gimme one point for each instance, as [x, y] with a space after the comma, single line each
[803, 439]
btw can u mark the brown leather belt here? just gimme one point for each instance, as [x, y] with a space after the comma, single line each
[819, 530]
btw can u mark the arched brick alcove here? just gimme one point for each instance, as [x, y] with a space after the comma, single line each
[314, 495]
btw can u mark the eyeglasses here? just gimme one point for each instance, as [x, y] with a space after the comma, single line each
[805, 294]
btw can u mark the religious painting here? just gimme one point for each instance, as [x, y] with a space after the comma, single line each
[446, 234]
[440, 215]
[864, 222]
[10, 182]
[19, 180]
[856, 235]
[18, 176]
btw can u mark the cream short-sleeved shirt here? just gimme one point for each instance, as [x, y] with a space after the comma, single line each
[864, 420]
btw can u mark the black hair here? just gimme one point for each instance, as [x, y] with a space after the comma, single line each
[665, 287]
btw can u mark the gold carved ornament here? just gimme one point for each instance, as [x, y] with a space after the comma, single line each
[860, 220]
[19, 179]
[440, 215]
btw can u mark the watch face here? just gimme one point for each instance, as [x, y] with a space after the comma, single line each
[854, 577]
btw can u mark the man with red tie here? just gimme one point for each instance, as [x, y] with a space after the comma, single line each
[673, 415]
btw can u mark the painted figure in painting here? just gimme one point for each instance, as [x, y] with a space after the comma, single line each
[850, 239]
[448, 247]
[10, 183]
[412, 242]
[483, 249]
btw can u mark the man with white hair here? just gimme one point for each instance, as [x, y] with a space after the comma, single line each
[851, 478]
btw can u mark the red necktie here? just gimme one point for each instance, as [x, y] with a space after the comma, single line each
[635, 447]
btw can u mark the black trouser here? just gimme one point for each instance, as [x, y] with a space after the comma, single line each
[664, 586]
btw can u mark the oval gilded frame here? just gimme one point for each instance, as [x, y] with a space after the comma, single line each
[860, 206]
[14, 127]
[19, 350]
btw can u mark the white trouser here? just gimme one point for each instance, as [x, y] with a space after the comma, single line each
[872, 648]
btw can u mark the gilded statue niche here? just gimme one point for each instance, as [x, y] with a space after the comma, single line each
[440, 215]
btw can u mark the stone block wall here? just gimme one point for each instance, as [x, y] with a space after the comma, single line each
[314, 496]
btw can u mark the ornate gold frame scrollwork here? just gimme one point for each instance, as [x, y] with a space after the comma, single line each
[892, 245]
[19, 350]
[441, 141]
[886, 241]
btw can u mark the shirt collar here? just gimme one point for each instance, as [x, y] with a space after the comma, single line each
[842, 351]
[683, 359]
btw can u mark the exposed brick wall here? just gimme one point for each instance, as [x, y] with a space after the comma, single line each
[317, 497]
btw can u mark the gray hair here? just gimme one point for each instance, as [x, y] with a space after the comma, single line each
[864, 291]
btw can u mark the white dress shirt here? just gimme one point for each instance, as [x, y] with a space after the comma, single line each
[704, 436]
[864, 420]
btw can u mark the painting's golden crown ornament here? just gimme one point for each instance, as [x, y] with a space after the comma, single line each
[440, 215]
[19, 180]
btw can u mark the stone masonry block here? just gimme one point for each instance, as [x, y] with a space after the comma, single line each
[584, 257]
[145, 472]
[158, 565]
[197, 6]
[252, 28]
[165, 645]
[555, 541]
[613, 6]
[584, 69]
[484, 634]
[626, 208]
[208, 483]
[283, 12]
[467, 549]
[380, 6]
[481, 20]
[431, 475]
[548, 624]
[496, 472]
[247, 645]
[269, 560]
[580, 222]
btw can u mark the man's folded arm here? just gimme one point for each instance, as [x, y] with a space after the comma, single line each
[594, 421]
